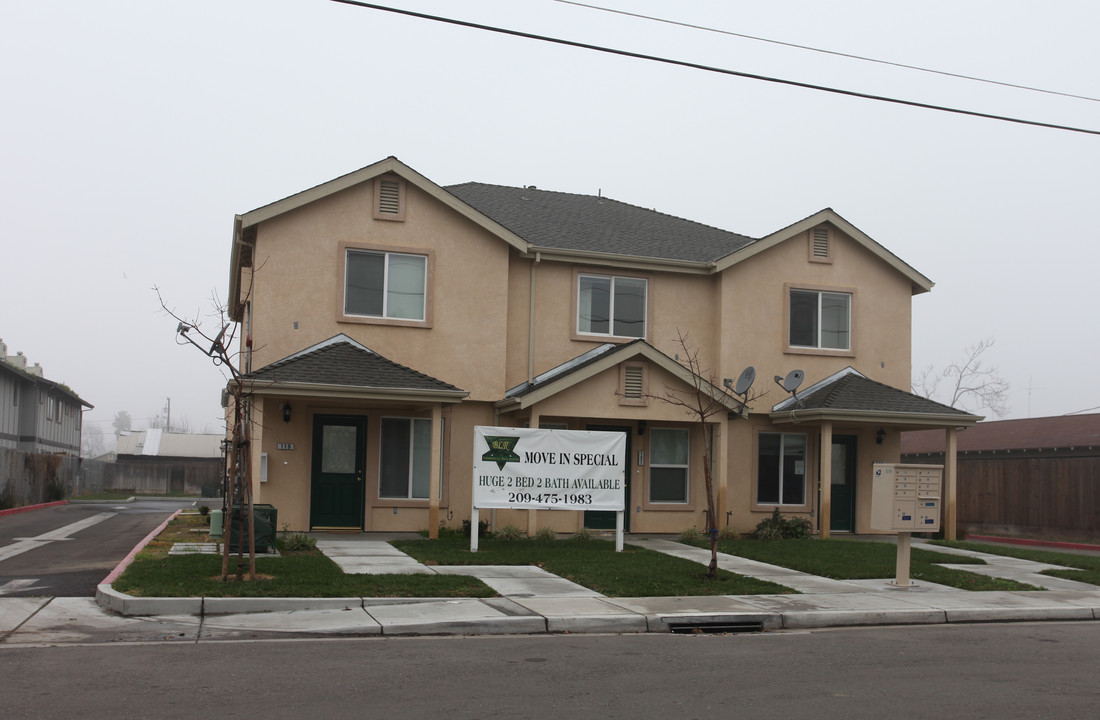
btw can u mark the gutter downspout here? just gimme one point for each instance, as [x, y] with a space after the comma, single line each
[531, 323]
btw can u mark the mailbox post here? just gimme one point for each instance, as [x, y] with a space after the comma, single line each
[906, 499]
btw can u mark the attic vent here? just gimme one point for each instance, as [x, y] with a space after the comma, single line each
[389, 199]
[632, 385]
[821, 242]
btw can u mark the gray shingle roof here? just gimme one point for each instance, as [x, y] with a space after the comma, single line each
[857, 393]
[564, 221]
[345, 365]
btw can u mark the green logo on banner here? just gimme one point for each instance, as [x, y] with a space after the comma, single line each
[500, 450]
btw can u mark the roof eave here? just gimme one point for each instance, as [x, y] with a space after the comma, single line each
[896, 419]
[357, 392]
[632, 262]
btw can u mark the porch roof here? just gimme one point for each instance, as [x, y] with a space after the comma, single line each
[850, 396]
[599, 359]
[341, 367]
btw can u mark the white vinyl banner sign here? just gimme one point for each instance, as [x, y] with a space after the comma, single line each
[549, 469]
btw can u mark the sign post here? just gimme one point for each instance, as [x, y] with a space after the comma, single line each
[527, 468]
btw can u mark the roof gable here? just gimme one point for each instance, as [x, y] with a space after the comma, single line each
[920, 283]
[598, 360]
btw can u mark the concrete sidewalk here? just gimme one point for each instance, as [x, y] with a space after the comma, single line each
[535, 601]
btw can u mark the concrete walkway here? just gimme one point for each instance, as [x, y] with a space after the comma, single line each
[535, 601]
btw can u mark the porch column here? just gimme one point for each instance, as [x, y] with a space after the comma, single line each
[533, 515]
[825, 481]
[720, 467]
[950, 483]
[435, 481]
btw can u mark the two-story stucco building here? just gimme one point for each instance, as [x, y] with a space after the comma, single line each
[384, 317]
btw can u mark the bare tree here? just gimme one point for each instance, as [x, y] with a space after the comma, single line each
[705, 398]
[967, 382]
[219, 347]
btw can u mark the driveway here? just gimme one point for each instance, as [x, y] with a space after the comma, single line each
[66, 550]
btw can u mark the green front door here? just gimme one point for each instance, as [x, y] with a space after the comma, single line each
[843, 495]
[605, 519]
[339, 456]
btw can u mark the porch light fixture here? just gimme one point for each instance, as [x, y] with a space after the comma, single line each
[286, 412]
[641, 427]
[880, 435]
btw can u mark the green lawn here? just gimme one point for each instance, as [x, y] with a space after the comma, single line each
[1086, 567]
[305, 575]
[856, 559]
[635, 572]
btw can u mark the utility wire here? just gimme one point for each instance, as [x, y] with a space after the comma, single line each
[710, 68]
[827, 52]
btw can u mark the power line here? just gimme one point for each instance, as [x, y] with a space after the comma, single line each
[828, 52]
[710, 68]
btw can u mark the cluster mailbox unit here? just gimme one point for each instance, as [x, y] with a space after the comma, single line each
[906, 499]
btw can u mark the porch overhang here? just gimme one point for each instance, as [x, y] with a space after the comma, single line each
[352, 392]
[896, 420]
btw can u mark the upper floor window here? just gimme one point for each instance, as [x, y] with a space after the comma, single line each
[820, 320]
[611, 305]
[385, 284]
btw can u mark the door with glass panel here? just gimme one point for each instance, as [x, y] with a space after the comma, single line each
[339, 457]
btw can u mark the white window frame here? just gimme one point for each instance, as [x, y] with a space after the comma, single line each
[819, 334]
[656, 464]
[411, 450]
[387, 255]
[611, 305]
[782, 458]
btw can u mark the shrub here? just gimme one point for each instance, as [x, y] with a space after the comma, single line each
[545, 533]
[692, 536]
[510, 532]
[482, 528]
[294, 542]
[203, 510]
[778, 527]
[728, 533]
[585, 535]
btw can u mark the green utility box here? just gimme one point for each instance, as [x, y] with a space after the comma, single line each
[266, 518]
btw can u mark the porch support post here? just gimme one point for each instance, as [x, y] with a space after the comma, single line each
[825, 481]
[720, 466]
[436, 478]
[533, 515]
[950, 484]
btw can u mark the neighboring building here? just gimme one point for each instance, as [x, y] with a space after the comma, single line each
[384, 316]
[159, 462]
[1036, 477]
[37, 416]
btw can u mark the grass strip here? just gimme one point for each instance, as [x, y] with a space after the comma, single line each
[308, 575]
[1082, 568]
[635, 572]
[860, 560]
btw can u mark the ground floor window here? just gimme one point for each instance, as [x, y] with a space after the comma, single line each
[668, 465]
[406, 446]
[781, 469]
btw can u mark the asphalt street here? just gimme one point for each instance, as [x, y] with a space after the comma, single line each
[1021, 670]
[66, 550]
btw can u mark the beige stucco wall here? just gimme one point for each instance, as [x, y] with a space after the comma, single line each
[298, 279]
[754, 320]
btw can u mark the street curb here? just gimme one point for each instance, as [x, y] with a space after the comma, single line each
[137, 548]
[80, 501]
[28, 508]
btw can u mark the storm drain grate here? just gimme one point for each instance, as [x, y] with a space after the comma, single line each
[722, 626]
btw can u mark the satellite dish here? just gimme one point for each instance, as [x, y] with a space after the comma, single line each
[793, 380]
[745, 381]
